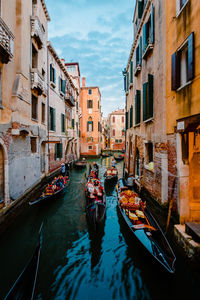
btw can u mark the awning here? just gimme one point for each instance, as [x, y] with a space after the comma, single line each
[188, 124]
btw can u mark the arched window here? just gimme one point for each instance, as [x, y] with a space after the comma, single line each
[90, 124]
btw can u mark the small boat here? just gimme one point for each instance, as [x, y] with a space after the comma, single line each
[144, 227]
[119, 157]
[105, 155]
[111, 175]
[95, 201]
[44, 197]
[81, 164]
[24, 286]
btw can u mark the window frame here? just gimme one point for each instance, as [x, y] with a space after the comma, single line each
[179, 9]
[36, 109]
[89, 91]
[33, 145]
[43, 112]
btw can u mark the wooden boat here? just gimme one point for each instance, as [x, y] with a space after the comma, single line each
[119, 157]
[111, 175]
[44, 198]
[81, 164]
[95, 207]
[24, 286]
[145, 228]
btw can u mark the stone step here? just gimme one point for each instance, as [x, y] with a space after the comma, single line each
[193, 229]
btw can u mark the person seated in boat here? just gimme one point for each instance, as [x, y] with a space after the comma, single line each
[113, 163]
[96, 169]
[59, 184]
[48, 190]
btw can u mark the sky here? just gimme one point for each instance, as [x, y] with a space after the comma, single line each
[97, 34]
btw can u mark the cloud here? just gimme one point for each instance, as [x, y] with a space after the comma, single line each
[97, 34]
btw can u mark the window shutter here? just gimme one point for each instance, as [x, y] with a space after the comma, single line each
[61, 150]
[53, 119]
[88, 104]
[63, 86]
[73, 123]
[150, 96]
[140, 9]
[175, 71]
[126, 120]
[63, 122]
[140, 51]
[144, 37]
[92, 125]
[131, 75]
[144, 100]
[51, 72]
[152, 24]
[59, 83]
[190, 58]
[56, 151]
[54, 75]
[88, 126]
[131, 116]
[91, 103]
[137, 106]
[125, 83]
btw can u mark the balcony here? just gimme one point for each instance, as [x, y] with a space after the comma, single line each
[137, 69]
[148, 48]
[37, 82]
[37, 31]
[6, 43]
[70, 100]
[70, 133]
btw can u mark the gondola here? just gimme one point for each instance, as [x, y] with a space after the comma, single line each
[111, 175]
[145, 228]
[95, 208]
[119, 157]
[24, 286]
[81, 164]
[45, 198]
[105, 155]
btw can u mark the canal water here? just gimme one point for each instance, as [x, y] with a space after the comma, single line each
[75, 264]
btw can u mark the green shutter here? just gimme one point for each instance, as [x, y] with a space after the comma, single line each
[88, 126]
[73, 123]
[144, 37]
[62, 122]
[54, 75]
[60, 83]
[51, 72]
[53, 119]
[190, 57]
[150, 96]
[131, 75]
[56, 151]
[126, 120]
[137, 106]
[131, 116]
[61, 150]
[145, 101]
[92, 103]
[140, 9]
[127, 81]
[152, 24]
[63, 86]
[140, 51]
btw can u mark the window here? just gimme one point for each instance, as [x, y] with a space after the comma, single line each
[131, 116]
[34, 57]
[118, 141]
[90, 125]
[123, 132]
[43, 113]
[148, 152]
[141, 6]
[113, 119]
[148, 33]
[148, 98]
[131, 72]
[123, 119]
[52, 119]
[182, 64]
[90, 139]
[89, 92]
[0, 91]
[90, 104]
[185, 147]
[52, 74]
[58, 150]
[180, 4]
[89, 147]
[137, 106]
[113, 132]
[137, 163]
[33, 144]
[73, 123]
[34, 104]
[99, 126]
[126, 120]
[138, 57]
[62, 84]
[62, 123]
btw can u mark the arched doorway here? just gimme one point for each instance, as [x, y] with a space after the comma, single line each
[1, 176]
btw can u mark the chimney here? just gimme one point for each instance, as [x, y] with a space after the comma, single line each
[83, 82]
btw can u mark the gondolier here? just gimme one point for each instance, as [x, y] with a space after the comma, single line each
[63, 169]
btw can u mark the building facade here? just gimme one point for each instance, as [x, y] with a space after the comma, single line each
[145, 86]
[116, 123]
[91, 121]
[183, 103]
[23, 65]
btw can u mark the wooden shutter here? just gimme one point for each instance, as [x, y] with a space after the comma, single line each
[91, 103]
[53, 119]
[145, 101]
[127, 81]
[126, 120]
[131, 75]
[51, 72]
[144, 37]
[63, 86]
[150, 96]
[140, 9]
[54, 75]
[73, 123]
[124, 82]
[131, 116]
[137, 106]
[175, 71]
[61, 150]
[56, 151]
[59, 85]
[88, 104]
[63, 122]
[92, 125]
[88, 126]
[152, 24]
[140, 51]
[190, 58]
